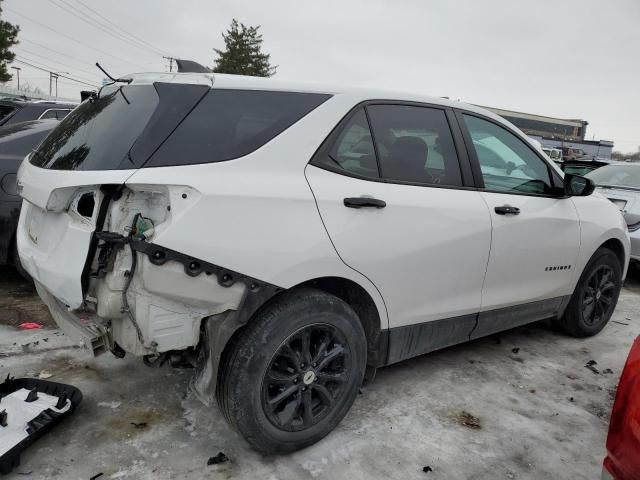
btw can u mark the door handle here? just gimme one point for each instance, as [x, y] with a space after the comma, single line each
[360, 202]
[507, 210]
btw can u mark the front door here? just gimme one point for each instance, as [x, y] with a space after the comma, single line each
[395, 208]
[535, 232]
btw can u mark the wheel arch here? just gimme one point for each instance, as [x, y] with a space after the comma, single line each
[616, 247]
[365, 307]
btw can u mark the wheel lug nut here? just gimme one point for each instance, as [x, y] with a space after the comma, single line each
[295, 380]
[314, 365]
[304, 388]
[302, 365]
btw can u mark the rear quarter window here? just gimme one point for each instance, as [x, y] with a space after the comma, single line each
[229, 124]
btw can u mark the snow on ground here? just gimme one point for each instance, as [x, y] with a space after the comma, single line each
[521, 405]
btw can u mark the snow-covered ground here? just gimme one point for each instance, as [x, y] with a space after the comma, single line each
[521, 405]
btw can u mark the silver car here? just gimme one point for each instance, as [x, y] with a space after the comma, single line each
[620, 183]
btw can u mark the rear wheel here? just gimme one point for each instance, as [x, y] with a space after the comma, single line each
[595, 296]
[294, 372]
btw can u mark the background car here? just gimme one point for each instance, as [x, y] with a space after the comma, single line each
[623, 442]
[17, 110]
[16, 141]
[620, 183]
[581, 167]
[571, 153]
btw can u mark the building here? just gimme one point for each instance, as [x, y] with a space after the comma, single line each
[557, 132]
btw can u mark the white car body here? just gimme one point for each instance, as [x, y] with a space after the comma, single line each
[438, 265]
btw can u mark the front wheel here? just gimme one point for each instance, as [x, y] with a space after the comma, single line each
[595, 296]
[291, 376]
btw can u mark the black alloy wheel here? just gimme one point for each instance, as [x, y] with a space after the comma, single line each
[306, 378]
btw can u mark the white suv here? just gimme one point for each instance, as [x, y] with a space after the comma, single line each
[288, 240]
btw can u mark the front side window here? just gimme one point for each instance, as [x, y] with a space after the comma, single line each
[507, 163]
[414, 145]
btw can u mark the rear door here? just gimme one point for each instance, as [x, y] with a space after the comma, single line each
[535, 231]
[391, 191]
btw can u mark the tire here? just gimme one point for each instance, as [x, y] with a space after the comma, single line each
[264, 393]
[599, 285]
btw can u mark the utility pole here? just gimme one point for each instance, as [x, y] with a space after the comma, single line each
[52, 76]
[17, 69]
[171, 59]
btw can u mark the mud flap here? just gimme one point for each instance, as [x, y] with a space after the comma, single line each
[28, 409]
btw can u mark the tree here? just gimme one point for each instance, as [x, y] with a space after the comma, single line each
[8, 38]
[243, 54]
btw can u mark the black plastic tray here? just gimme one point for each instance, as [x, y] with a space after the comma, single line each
[43, 422]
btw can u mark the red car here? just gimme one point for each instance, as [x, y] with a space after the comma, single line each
[623, 443]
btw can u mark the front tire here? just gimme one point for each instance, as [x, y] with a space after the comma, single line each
[595, 296]
[291, 375]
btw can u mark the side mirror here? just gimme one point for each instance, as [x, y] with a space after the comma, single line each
[577, 186]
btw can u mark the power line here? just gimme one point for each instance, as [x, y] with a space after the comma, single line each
[54, 70]
[66, 65]
[131, 35]
[22, 39]
[84, 44]
[49, 71]
[92, 22]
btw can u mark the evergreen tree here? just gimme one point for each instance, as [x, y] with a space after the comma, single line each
[8, 38]
[242, 54]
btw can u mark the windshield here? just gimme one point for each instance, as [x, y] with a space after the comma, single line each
[99, 133]
[617, 176]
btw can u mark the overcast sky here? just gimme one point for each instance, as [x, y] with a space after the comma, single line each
[569, 59]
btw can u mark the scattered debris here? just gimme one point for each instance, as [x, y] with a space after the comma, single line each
[607, 371]
[621, 323]
[571, 399]
[515, 350]
[30, 326]
[97, 475]
[139, 424]
[44, 374]
[591, 365]
[219, 458]
[533, 390]
[112, 405]
[571, 376]
[468, 420]
[427, 469]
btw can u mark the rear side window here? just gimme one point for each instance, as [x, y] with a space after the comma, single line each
[353, 151]
[229, 124]
[415, 145]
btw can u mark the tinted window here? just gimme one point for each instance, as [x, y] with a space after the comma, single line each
[6, 110]
[507, 163]
[228, 124]
[414, 144]
[353, 149]
[55, 114]
[98, 134]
